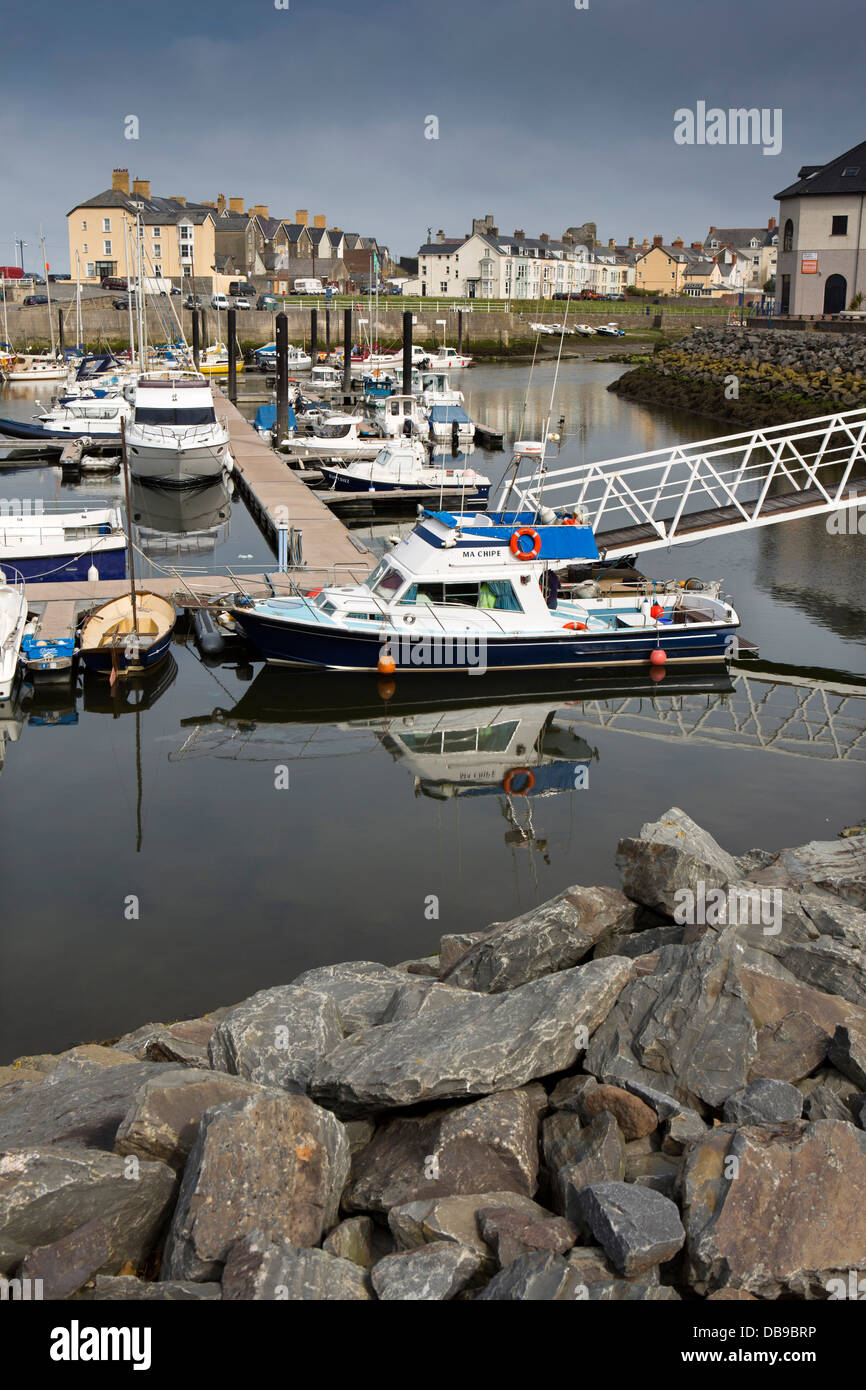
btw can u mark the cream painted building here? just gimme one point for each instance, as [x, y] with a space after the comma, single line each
[822, 246]
[177, 240]
[487, 265]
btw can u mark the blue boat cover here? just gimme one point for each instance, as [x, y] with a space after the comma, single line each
[266, 417]
[446, 414]
[558, 542]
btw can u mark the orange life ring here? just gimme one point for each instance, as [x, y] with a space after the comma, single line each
[518, 772]
[576, 627]
[515, 543]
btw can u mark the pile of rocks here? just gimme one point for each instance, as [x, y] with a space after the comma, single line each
[755, 376]
[636, 1095]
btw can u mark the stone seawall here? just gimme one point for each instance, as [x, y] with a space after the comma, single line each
[751, 377]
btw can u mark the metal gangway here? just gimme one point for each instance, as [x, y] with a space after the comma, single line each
[769, 711]
[687, 492]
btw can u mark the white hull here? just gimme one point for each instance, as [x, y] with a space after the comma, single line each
[165, 464]
[313, 448]
[13, 619]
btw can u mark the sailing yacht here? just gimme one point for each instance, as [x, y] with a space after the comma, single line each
[174, 436]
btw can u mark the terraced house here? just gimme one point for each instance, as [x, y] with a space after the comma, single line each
[822, 253]
[487, 265]
[176, 236]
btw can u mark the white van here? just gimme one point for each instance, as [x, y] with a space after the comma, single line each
[219, 301]
[308, 287]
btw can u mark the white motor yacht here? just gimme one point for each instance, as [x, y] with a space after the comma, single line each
[174, 436]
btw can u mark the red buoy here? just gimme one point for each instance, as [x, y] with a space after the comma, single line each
[656, 610]
[658, 657]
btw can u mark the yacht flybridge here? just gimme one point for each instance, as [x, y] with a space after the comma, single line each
[480, 592]
[174, 436]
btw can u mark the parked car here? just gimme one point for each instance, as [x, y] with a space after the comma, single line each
[193, 301]
[121, 303]
[242, 302]
[588, 294]
[37, 279]
[563, 294]
[267, 301]
[219, 301]
[53, 278]
[114, 282]
[242, 287]
[616, 296]
[32, 299]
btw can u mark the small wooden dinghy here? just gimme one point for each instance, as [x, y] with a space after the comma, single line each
[127, 636]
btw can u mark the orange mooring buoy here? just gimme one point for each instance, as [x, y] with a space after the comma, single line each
[658, 657]
[387, 665]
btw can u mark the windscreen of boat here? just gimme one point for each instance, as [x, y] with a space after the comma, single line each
[171, 415]
[328, 431]
[385, 581]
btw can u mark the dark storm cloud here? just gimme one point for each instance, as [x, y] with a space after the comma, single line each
[548, 115]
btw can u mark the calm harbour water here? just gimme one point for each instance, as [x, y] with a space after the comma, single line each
[242, 884]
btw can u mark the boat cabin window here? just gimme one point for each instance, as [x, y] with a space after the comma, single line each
[495, 739]
[385, 580]
[170, 415]
[328, 431]
[490, 593]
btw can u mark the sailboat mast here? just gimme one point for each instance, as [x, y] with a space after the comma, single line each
[130, 547]
[48, 294]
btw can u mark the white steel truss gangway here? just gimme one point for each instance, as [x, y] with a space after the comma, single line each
[688, 492]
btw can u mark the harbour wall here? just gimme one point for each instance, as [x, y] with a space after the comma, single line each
[752, 377]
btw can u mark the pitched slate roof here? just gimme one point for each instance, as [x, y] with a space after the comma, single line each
[830, 177]
[740, 236]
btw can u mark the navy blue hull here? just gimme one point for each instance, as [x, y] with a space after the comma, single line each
[56, 569]
[148, 658]
[340, 482]
[17, 429]
[299, 645]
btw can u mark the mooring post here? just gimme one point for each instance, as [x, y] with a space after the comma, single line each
[233, 355]
[328, 331]
[314, 335]
[282, 377]
[196, 340]
[347, 351]
[407, 352]
[459, 330]
[60, 338]
[203, 321]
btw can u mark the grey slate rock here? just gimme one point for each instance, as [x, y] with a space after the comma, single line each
[456, 1219]
[822, 1103]
[488, 1145]
[600, 1156]
[277, 1037]
[352, 1240]
[511, 1233]
[47, 1194]
[259, 1268]
[478, 1044]
[670, 854]
[568, 1093]
[81, 1110]
[361, 989]
[533, 1278]
[635, 1226]
[847, 1052]
[64, 1265]
[271, 1162]
[560, 1138]
[764, 1102]
[163, 1118]
[125, 1286]
[551, 937]
[429, 1273]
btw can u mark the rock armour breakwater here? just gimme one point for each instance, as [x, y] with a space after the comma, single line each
[549, 1109]
[753, 377]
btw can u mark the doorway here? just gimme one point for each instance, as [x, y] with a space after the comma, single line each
[835, 292]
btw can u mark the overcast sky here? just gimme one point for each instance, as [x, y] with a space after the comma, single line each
[548, 115]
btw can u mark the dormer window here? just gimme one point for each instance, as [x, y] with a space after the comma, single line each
[851, 172]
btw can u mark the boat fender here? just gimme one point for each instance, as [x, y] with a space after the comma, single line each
[210, 640]
[516, 547]
[656, 611]
[658, 657]
[508, 787]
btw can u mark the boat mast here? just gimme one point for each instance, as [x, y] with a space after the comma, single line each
[48, 293]
[79, 330]
[130, 547]
[126, 235]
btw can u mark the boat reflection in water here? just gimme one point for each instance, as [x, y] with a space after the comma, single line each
[131, 696]
[180, 521]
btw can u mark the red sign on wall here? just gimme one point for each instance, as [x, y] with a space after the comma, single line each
[809, 263]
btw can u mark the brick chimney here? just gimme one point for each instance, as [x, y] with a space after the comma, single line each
[260, 210]
[611, 243]
[543, 236]
[141, 187]
[221, 202]
[697, 246]
[518, 234]
[712, 229]
[302, 217]
[236, 204]
[678, 243]
[645, 244]
[658, 241]
[175, 197]
[631, 242]
[771, 225]
[120, 180]
[440, 235]
[568, 238]
[320, 221]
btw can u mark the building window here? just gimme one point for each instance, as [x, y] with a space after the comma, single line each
[89, 270]
[106, 224]
[443, 286]
[786, 294]
[840, 226]
[84, 226]
[84, 248]
[106, 248]
[157, 270]
[788, 236]
[157, 249]
[157, 233]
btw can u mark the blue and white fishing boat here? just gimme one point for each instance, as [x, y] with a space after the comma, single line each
[54, 547]
[404, 465]
[450, 421]
[479, 593]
